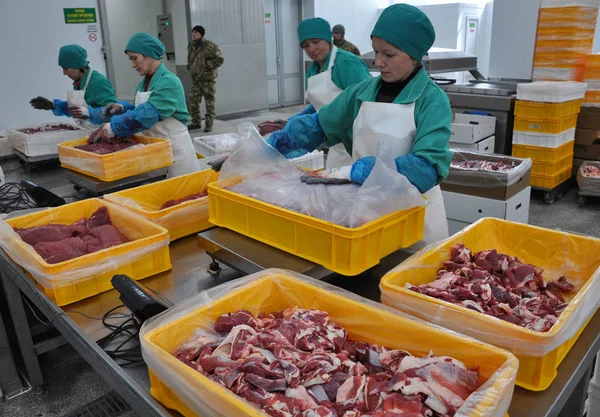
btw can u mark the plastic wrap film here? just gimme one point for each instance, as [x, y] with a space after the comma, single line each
[558, 253]
[256, 170]
[588, 185]
[180, 387]
[181, 219]
[154, 154]
[5, 148]
[41, 143]
[483, 177]
[145, 238]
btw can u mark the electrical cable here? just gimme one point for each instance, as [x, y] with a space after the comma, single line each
[14, 197]
[126, 334]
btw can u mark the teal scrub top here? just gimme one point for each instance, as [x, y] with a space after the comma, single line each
[167, 95]
[433, 118]
[99, 92]
[347, 70]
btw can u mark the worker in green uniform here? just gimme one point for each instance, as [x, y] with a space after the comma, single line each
[204, 58]
[339, 40]
[332, 72]
[402, 107]
[159, 110]
[90, 88]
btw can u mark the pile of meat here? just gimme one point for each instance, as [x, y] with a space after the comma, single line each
[115, 145]
[298, 363]
[591, 171]
[47, 128]
[497, 166]
[500, 286]
[60, 242]
[171, 203]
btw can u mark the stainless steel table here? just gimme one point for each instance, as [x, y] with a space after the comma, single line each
[188, 277]
[97, 187]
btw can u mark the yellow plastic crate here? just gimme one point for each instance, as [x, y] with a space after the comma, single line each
[540, 125]
[576, 45]
[535, 109]
[552, 168]
[569, 32]
[114, 166]
[276, 290]
[181, 220]
[558, 253]
[559, 58]
[341, 249]
[568, 13]
[551, 181]
[543, 154]
[59, 282]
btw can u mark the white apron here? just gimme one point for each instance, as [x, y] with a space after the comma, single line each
[395, 123]
[76, 98]
[322, 90]
[184, 154]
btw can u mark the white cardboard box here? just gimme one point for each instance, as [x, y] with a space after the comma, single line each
[485, 145]
[470, 128]
[462, 209]
[455, 226]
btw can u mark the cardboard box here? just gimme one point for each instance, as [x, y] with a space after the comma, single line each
[485, 145]
[589, 118]
[586, 137]
[495, 183]
[576, 164]
[591, 152]
[470, 128]
[455, 226]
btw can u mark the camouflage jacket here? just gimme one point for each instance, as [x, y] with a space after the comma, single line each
[347, 46]
[204, 60]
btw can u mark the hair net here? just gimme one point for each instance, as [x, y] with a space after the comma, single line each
[72, 56]
[315, 28]
[145, 44]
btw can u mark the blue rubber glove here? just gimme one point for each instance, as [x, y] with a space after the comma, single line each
[299, 137]
[419, 172]
[61, 108]
[133, 121]
[310, 109]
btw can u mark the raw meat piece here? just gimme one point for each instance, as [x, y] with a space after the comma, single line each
[171, 203]
[47, 128]
[106, 148]
[591, 171]
[497, 166]
[108, 235]
[93, 243]
[63, 250]
[287, 365]
[499, 285]
[99, 218]
[49, 233]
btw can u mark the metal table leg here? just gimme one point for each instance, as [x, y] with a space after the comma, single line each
[10, 382]
[19, 318]
[575, 405]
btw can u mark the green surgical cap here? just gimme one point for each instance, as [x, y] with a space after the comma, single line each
[315, 28]
[145, 44]
[72, 56]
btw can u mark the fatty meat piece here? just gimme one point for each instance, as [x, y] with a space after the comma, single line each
[298, 363]
[499, 285]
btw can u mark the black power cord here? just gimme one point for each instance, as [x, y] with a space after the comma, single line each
[14, 197]
[126, 335]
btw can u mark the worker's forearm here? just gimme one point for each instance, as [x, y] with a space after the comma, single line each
[418, 171]
[61, 108]
[134, 121]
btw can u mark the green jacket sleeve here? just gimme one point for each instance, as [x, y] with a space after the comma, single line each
[348, 70]
[337, 118]
[167, 97]
[100, 91]
[433, 119]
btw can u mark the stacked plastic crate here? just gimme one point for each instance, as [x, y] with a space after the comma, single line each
[592, 79]
[565, 37]
[545, 119]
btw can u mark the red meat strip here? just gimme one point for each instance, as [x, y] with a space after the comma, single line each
[50, 233]
[171, 203]
[499, 285]
[99, 218]
[108, 235]
[282, 364]
[63, 250]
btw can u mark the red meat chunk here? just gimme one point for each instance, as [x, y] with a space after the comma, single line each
[171, 203]
[62, 250]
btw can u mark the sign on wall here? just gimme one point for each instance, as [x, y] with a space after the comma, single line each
[80, 15]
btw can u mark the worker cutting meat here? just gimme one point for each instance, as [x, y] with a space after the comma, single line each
[159, 110]
[91, 90]
[332, 71]
[402, 107]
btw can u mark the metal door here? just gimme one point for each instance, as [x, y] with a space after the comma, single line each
[284, 55]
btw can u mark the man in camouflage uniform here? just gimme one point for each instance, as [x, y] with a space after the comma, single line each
[204, 57]
[338, 33]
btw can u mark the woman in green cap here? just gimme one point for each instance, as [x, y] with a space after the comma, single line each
[402, 107]
[159, 109]
[332, 71]
[90, 89]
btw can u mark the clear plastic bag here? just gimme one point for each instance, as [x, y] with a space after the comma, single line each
[145, 238]
[258, 171]
[180, 387]
[588, 185]
[477, 177]
[41, 143]
[557, 253]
